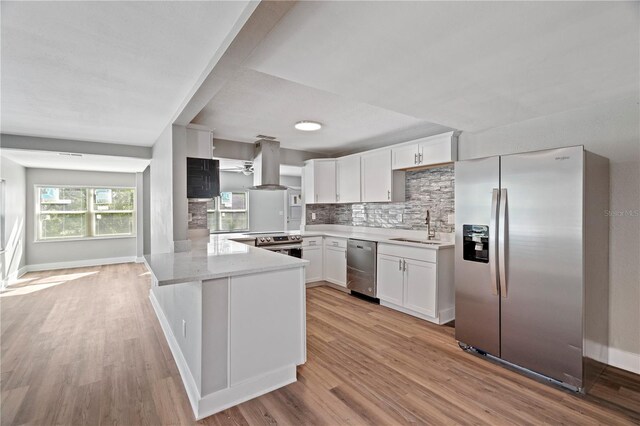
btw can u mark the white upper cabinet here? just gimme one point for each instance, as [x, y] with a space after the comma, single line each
[379, 182]
[320, 181]
[429, 151]
[374, 176]
[405, 156]
[348, 178]
[439, 149]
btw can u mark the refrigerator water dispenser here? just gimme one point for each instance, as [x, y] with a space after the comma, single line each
[476, 243]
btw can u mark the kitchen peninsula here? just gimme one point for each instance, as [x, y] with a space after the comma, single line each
[234, 318]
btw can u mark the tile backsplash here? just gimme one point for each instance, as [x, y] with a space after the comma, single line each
[198, 211]
[430, 189]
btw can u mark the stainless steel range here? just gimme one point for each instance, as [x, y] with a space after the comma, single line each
[290, 245]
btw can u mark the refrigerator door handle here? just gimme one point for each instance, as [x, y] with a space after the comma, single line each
[502, 237]
[493, 232]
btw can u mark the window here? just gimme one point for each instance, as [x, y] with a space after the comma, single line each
[229, 212]
[81, 212]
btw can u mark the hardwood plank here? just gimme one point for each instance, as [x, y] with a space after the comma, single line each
[88, 349]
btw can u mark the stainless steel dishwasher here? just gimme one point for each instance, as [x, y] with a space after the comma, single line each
[361, 266]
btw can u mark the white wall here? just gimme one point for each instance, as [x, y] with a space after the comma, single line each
[266, 211]
[264, 206]
[44, 253]
[291, 181]
[611, 130]
[180, 201]
[146, 203]
[161, 194]
[230, 181]
[13, 258]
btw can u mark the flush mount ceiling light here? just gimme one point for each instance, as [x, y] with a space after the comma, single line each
[308, 126]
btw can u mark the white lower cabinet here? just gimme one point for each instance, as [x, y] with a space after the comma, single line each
[420, 286]
[390, 279]
[312, 251]
[335, 261]
[417, 281]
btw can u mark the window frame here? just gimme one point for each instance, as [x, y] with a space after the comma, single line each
[89, 214]
[216, 204]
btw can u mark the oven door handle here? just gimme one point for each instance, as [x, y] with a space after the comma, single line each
[276, 247]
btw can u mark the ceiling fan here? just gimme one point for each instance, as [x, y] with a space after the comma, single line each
[246, 168]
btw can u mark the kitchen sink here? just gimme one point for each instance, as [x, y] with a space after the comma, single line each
[409, 240]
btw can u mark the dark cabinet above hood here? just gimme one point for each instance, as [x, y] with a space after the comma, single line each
[203, 178]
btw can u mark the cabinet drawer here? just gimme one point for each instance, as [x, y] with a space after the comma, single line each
[423, 254]
[312, 241]
[335, 242]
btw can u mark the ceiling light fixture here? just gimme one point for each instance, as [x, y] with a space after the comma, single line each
[308, 126]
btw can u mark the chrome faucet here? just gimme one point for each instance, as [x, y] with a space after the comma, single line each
[431, 234]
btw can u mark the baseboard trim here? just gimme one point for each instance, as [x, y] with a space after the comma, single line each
[187, 379]
[625, 360]
[237, 394]
[338, 287]
[435, 320]
[79, 263]
[447, 315]
[14, 276]
[140, 259]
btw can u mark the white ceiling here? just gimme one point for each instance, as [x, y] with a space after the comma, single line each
[467, 65]
[253, 103]
[105, 71]
[373, 73]
[53, 160]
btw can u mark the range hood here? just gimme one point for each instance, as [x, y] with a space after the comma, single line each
[266, 166]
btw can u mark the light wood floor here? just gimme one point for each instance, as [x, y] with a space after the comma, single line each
[83, 346]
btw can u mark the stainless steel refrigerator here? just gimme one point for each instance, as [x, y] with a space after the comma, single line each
[531, 265]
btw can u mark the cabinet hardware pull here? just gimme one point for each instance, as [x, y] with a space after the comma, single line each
[420, 158]
[415, 158]
[399, 264]
[388, 194]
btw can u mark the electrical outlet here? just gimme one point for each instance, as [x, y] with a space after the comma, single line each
[190, 217]
[399, 218]
[313, 216]
[451, 218]
[184, 328]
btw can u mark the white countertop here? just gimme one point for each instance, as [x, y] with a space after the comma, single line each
[367, 234]
[220, 257]
[383, 239]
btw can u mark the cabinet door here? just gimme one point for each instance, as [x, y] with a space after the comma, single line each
[325, 181]
[405, 156]
[438, 149]
[348, 176]
[390, 279]
[308, 183]
[420, 287]
[335, 266]
[314, 268]
[376, 176]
